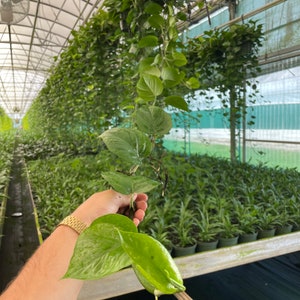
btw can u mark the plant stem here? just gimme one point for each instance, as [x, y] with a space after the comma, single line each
[182, 296]
[132, 208]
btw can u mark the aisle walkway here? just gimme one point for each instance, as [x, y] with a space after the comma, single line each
[20, 235]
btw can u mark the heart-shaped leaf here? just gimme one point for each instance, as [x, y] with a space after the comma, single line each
[148, 41]
[129, 144]
[179, 59]
[156, 21]
[171, 76]
[177, 102]
[153, 120]
[98, 251]
[193, 83]
[126, 184]
[146, 67]
[152, 264]
[111, 243]
[149, 87]
[153, 8]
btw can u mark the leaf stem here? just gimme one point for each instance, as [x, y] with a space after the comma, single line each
[132, 207]
[183, 296]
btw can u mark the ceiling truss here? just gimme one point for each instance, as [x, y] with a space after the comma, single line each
[28, 48]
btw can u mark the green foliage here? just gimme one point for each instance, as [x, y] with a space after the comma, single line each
[6, 150]
[208, 227]
[225, 61]
[127, 184]
[229, 228]
[114, 80]
[6, 122]
[109, 66]
[247, 217]
[153, 120]
[39, 146]
[202, 184]
[112, 243]
[101, 247]
[183, 224]
[60, 184]
[131, 145]
[102, 62]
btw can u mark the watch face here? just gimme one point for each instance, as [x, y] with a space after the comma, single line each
[17, 214]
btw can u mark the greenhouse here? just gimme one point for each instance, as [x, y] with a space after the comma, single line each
[150, 149]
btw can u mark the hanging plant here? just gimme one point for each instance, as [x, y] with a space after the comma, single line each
[225, 60]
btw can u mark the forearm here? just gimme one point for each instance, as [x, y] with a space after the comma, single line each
[41, 277]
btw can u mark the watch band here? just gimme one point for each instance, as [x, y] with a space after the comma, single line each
[74, 223]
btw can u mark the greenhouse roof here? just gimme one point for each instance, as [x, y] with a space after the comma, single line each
[32, 33]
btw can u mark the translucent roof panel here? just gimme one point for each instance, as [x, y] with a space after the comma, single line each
[32, 32]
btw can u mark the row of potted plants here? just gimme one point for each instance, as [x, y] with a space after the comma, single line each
[214, 200]
[38, 146]
[201, 198]
[213, 223]
[61, 183]
[6, 151]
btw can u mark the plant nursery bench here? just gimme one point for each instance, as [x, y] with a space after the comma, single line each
[125, 281]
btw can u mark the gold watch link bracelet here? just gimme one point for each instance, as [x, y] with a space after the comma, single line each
[73, 223]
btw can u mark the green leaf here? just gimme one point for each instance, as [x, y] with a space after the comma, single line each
[177, 101]
[126, 184]
[152, 264]
[156, 21]
[193, 83]
[146, 67]
[171, 76]
[98, 251]
[149, 86]
[181, 16]
[153, 120]
[153, 8]
[169, 73]
[129, 144]
[179, 59]
[148, 41]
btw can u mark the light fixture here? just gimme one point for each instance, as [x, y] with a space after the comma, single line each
[13, 11]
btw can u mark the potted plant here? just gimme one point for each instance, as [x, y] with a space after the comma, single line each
[267, 222]
[160, 227]
[230, 230]
[207, 232]
[295, 211]
[285, 223]
[182, 230]
[284, 208]
[246, 217]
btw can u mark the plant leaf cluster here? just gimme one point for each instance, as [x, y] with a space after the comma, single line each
[112, 243]
[6, 123]
[226, 198]
[6, 149]
[225, 62]
[207, 188]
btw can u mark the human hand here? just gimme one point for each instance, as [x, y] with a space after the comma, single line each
[109, 202]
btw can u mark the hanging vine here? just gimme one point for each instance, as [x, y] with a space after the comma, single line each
[225, 60]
